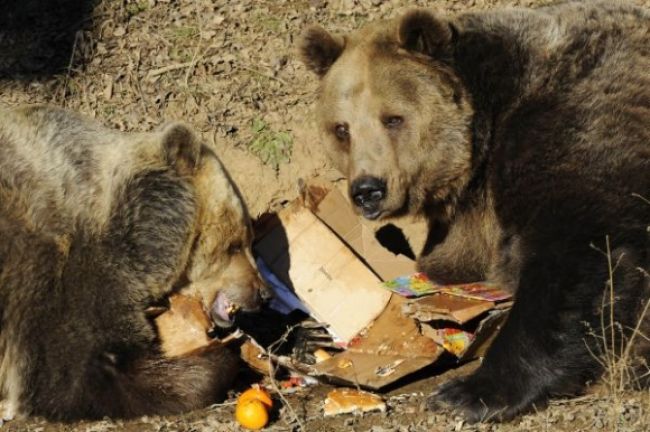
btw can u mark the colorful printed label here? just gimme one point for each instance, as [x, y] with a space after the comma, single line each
[418, 284]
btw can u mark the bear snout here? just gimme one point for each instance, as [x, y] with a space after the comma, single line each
[250, 293]
[367, 193]
[246, 296]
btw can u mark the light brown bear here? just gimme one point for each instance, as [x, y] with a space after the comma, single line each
[96, 227]
[523, 136]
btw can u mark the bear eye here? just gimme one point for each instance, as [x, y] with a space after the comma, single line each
[392, 122]
[234, 248]
[341, 131]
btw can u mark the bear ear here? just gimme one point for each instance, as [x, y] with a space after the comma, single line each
[319, 49]
[421, 31]
[181, 147]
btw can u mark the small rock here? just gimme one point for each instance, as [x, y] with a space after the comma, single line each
[119, 31]
[317, 4]
[410, 410]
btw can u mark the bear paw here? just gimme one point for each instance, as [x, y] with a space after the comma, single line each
[479, 399]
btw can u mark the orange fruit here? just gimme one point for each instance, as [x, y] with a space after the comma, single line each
[256, 393]
[252, 414]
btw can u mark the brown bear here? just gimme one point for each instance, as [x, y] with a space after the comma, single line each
[523, 136]
[98, 227]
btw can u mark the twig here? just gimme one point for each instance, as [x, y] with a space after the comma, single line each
[628, 348]
[138, 85]
[168, 68]
[69, 69]
[575, 400]
[194, 60]
[274, 384]
[223, 404]
[641, 197]
[269, 76]
[611, 294]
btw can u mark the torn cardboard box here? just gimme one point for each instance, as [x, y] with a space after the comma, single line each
[391, 320]
[334, 261]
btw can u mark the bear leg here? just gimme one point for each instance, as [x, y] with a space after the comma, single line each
[549, 345]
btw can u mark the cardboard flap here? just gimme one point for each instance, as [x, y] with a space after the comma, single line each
[390, 349]
[184, 327]
[335, 210]
[456, 341]
[393, 333]
[485, 334]
[323, 272]
[442, 306]
[370, 370]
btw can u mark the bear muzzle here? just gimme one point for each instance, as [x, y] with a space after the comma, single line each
[247, 295]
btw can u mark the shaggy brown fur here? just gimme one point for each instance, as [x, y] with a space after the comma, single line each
[523, 136]
[96, 227]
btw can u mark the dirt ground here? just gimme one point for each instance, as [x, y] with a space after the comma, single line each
[229, 68]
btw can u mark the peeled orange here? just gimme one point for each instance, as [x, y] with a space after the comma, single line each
[256, 393]
[252, 414]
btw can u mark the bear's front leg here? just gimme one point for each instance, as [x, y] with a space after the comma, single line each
[542, 349]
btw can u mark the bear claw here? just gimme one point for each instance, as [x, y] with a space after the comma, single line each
[474, 399]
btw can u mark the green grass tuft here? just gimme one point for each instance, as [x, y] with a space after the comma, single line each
[273, 148]
[136, 7]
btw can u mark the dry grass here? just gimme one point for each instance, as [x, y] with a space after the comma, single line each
[623, 371]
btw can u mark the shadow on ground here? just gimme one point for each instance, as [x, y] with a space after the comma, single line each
[37, 37]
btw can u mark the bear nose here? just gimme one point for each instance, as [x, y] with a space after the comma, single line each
[367, 191]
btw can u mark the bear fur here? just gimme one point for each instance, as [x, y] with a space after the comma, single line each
[523, 136]
[98, 227]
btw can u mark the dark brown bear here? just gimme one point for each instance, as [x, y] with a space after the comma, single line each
[524, 137]
[96, 227]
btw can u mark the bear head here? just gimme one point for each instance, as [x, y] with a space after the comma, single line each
[220, 270]
[392, 113]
